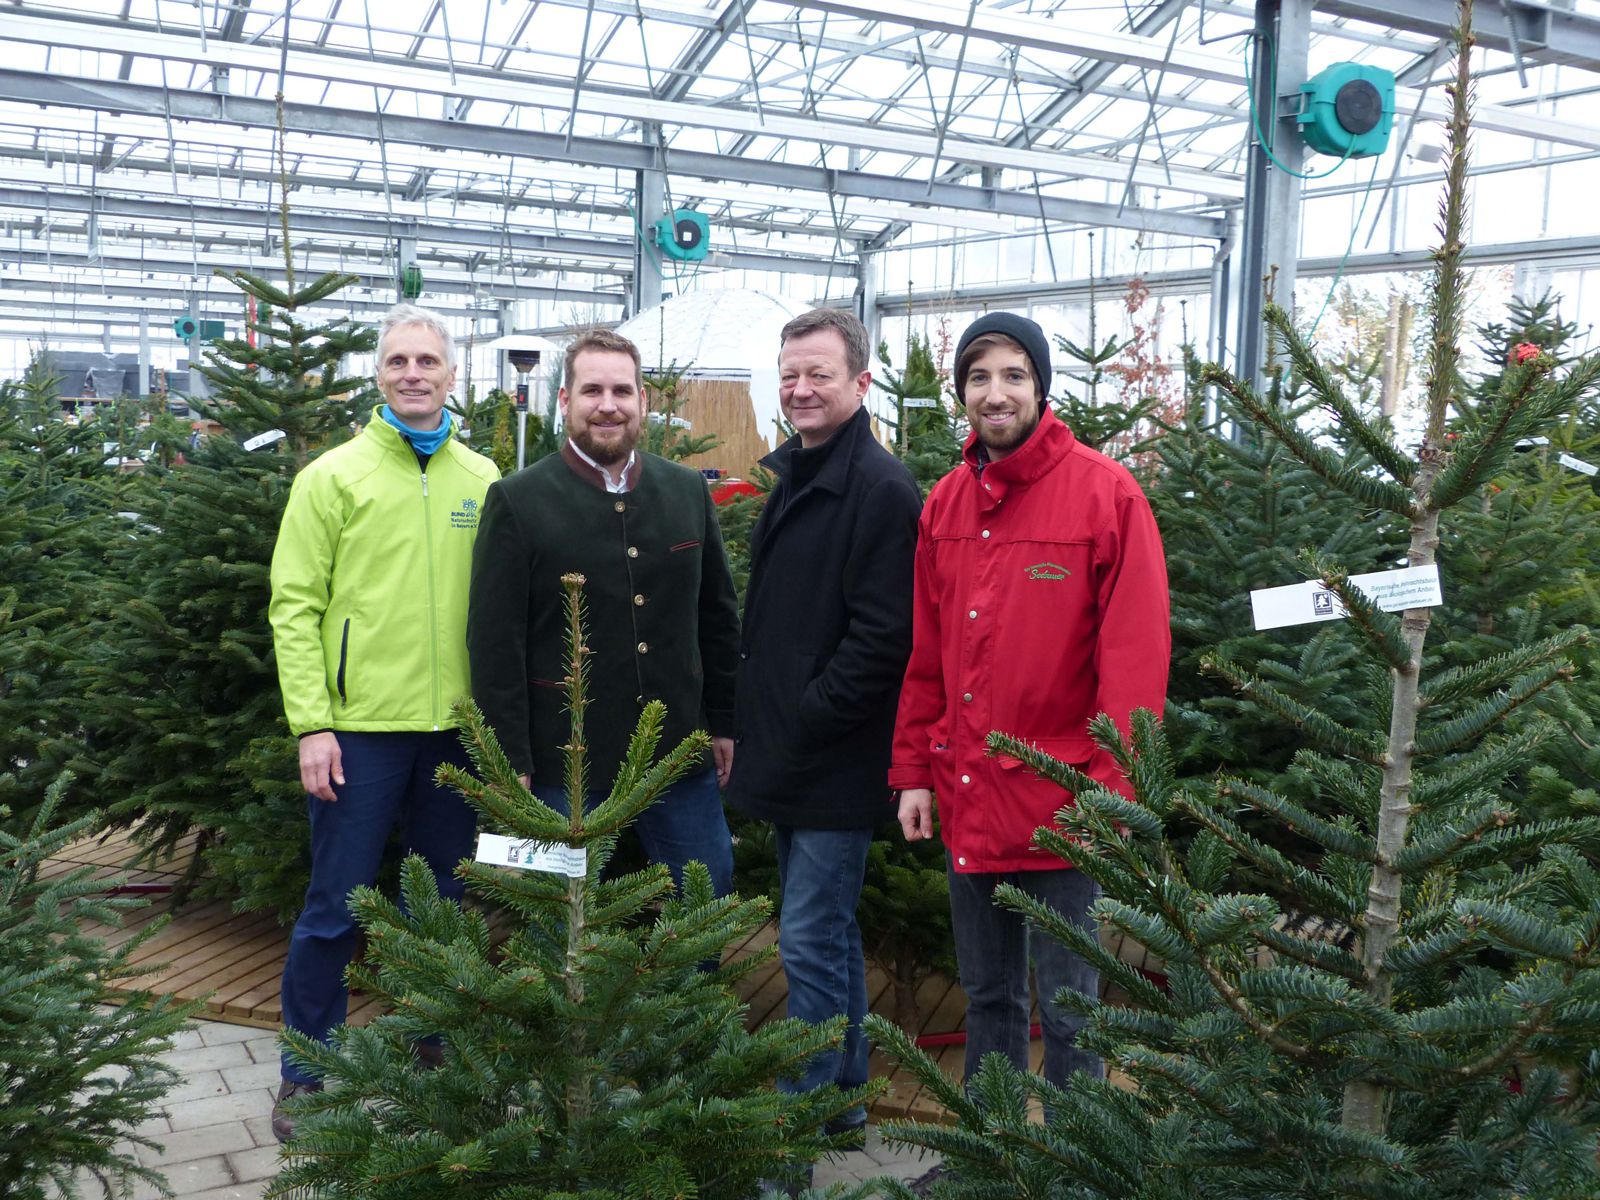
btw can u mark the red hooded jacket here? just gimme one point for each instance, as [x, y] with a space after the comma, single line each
[1040, 601]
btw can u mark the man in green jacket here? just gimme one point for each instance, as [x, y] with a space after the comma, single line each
[369, 615]
[663, 620]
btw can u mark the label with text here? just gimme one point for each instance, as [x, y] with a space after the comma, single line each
[265, 439]
[501, 851]
[1303, 603]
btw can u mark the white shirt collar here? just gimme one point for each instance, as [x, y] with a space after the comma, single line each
[617, 486]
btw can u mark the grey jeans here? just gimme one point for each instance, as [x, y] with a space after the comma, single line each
[992, 945]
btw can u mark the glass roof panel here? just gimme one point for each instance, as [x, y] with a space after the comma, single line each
[806, 130]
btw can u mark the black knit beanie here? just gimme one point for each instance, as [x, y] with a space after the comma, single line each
[1021, 330]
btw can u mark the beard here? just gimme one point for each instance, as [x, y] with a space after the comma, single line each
[612, 452]
[1009, 437]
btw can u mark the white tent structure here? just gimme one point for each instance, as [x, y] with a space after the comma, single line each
[727, 334]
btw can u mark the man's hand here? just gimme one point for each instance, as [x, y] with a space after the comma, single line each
[722, 755]
[916, 814]
[321, 765]
[525, 780]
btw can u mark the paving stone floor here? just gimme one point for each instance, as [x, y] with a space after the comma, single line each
[216, 1139]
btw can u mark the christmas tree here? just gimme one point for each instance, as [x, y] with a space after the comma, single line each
[185, 720]
[1235, 506]
[1409, 1005]
[666, 432]
[590, 1055]
[79, 1076]
[57, 504]
[926, 433]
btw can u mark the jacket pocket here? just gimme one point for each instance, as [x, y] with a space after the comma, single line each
[344, 661]
[1026, 800]
[1075, 750]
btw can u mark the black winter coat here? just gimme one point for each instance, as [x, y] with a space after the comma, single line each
[826, 634]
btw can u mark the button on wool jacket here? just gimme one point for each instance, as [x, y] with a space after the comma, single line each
[1041, 601]
[826, 632]
[369, 584]
[663, 619]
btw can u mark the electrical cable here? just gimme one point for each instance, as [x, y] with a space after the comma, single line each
[1355, 228]
[1255, 118]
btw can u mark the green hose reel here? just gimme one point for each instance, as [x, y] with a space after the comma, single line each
[1347, 110]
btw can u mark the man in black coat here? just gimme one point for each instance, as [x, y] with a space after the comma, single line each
[663, 616]
[827, 631]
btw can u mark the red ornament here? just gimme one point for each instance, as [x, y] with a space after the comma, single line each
[1523, 351]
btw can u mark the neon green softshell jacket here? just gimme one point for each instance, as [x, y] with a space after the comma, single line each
[369, 584]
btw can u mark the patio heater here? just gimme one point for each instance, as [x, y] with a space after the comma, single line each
[527, 354]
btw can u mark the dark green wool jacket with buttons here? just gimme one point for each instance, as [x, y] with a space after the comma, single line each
[662, 616]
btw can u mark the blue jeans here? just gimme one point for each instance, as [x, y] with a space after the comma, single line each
[388, 779]
[820, 873]
[685, 824]
[992, 946]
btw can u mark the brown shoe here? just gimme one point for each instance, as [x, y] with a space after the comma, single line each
[282, 1122]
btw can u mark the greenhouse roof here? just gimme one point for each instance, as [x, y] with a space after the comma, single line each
[506, 139]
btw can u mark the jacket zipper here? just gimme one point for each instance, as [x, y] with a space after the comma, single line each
[433, 640]
[344, 659]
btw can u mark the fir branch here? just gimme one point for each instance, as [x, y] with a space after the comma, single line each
[1400, 466]
[1517, 929]
[1352, 481]
[1312, 891]
[1527, 402]
[1340, 839]
[1085, 943]
[1063, 775]
[1487, 714]
[1485, 765]
[1496, 671]
[259, 287]
[1381, 630]
[1232, 918]
[1539, 837]
[1313, 723]
[1437, 948]
[1426, 853]
[1313, 952]
[1340, 782]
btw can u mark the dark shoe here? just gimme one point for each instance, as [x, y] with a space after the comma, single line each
[282, 1122]
[854, 1132]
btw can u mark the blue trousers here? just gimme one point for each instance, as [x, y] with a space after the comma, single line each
[685, 824]
[820, 872]
[388, 780]
[992, 946]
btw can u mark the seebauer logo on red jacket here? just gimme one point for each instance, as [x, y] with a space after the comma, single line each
[1047, 570]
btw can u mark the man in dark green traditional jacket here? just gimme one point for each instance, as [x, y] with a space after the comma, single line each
[663, 620]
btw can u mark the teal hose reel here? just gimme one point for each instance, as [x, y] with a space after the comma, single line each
[1347, 110]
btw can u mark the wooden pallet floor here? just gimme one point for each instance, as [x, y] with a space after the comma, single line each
[234, 963]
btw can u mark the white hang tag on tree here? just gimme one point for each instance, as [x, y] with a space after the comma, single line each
[1577, 464]
[265, 439]
[501, 851]
[1303, 603]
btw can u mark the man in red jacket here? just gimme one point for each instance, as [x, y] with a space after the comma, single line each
[1040, 601]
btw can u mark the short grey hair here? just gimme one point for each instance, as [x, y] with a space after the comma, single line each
[841, 321]
[414, 314]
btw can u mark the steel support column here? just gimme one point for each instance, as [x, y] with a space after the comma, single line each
[650, 205]
[144, 354]
[1270, 237]
[867, 299]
